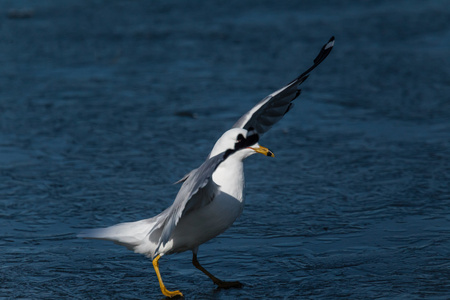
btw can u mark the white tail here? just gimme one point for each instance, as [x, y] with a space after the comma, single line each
[133, 235]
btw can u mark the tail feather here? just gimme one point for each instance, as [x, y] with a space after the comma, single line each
[133, 235]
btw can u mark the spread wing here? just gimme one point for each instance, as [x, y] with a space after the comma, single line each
[273, 107]
[197, 191]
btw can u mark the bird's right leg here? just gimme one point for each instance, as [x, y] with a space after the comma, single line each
[161, 284]
[220, 283]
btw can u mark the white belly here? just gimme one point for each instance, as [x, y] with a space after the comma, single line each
[205, 223]
[202, 224]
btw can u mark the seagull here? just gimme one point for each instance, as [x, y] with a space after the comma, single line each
[211, 196]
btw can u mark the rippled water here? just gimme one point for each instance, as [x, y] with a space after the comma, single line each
[103, 104]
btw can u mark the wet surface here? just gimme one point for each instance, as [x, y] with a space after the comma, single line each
[103, 104]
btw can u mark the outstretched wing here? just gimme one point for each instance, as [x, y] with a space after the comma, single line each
[197, 191]
[273, 107]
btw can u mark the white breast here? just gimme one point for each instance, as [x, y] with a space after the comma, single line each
[229, 176]
[205, 223]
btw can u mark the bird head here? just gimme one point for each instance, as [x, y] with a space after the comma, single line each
[240, 141]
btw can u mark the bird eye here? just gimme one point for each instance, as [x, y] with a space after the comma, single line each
[240, 137]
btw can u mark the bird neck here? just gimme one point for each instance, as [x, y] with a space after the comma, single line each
[229, 175]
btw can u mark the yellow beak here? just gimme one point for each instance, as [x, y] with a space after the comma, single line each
[263, 150]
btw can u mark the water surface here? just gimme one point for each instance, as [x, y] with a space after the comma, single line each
[104, 104]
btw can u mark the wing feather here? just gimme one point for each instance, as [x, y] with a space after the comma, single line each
[282, 98]
[197, 191]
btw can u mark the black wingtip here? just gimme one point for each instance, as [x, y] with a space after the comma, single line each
[330, 43]
[291, 105]
[326, 49]
[301, 80]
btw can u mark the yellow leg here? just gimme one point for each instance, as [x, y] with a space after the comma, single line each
[161, 284]
[220, 283]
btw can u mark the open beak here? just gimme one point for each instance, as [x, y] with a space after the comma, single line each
[262, 150]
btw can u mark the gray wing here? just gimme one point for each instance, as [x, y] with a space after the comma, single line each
[272, 108]
[197, 191]
[185, 177]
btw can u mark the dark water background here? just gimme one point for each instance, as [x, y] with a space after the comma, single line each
[103, 104]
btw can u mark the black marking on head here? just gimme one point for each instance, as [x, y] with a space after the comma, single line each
[252, 139]
[228, 153]
[241, 143]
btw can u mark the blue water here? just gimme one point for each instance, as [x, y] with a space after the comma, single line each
[104, 104]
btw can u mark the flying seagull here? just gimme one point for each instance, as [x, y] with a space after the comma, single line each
[211, 197]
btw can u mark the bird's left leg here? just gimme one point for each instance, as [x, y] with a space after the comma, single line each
[165, 292]
[220, 283]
